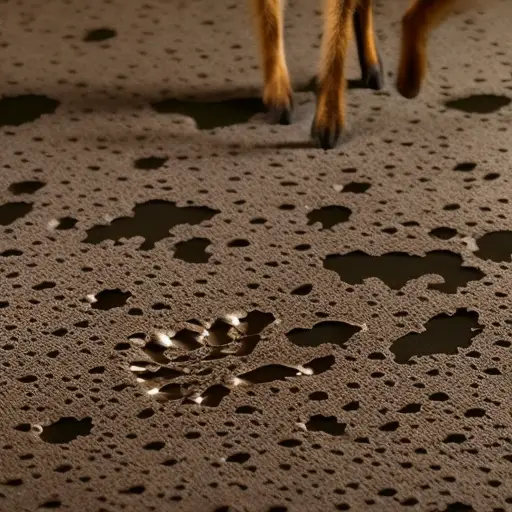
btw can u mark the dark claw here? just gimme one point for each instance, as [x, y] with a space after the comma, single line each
[373, 77]
[411, 86]
[281, 114]
[409, 92]
[325, 137]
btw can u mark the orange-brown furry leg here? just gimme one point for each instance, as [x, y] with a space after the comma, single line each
[329, 116]
[277, 92]
[419, 20]
[369, 59]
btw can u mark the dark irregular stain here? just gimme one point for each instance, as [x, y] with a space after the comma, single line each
[496, 246]
[150, 163]
[11, 212]
[66, 223]
[327, 424]
[110, 299]
[479, 103]
[151, 220]
[329, 216]
[66, 429]
[26, 187]
[334, 332]
[25, 108]
[214, 114]
[99, 34]
[193, 250]
[443, 334]
[396, 269]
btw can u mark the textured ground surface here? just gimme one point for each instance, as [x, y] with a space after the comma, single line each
[367, 361]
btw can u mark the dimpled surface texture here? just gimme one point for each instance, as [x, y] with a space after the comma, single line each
[201, 312]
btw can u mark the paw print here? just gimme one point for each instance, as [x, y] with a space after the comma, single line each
[184, 364]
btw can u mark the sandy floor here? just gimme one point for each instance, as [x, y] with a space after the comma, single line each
[202, 312]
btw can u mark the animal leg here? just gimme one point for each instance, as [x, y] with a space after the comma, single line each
[330, 109]
[417, 24]
[277, 91]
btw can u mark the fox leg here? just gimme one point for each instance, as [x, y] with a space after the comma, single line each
[369, 59]
[419, 20]
[330, 107]
[277, 91]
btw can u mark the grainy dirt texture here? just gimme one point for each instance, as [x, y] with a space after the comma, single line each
[202, 312]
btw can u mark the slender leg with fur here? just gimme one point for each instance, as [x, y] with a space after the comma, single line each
[369, 59]
[277, 92]
[329, 115]
[419, 20]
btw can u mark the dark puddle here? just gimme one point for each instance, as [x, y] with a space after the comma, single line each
[458, 507]
[136, 489]
[171, 392]
[256, 321]
[66, 430]
[151, 220]
[280, 372]
[495, 246]
[18, 110]
[465, 167]
[444, 334]
[269, 373]
[443, 233]
[290, 443]
[304, 289]
[329, 216]
[239, 242]
[396, 269]
[336, 333]
[150, 163]
[213, 396]
[193, 250]
[50, 505]
[99, 34]
[212, 114]
[9, 253]
[479, 103]
[146, 413]
[110, 299]
[11, 212]
[327, 424]
[410, 409]
[455, 439]
[239, 458]
[26, 187]
[45, 285]
[66, 223]
[163, 374]
[321, 364]
[154, 446]
[355, 187]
